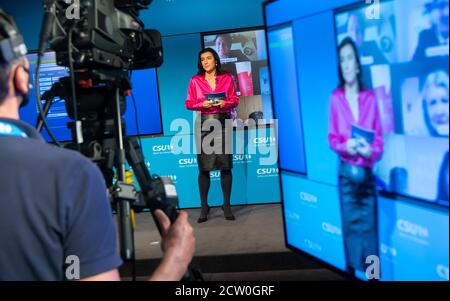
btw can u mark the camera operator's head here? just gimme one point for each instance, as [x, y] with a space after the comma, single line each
[14, 72]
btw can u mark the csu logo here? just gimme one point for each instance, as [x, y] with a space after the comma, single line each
[215, 174]
[312, 245]
[267, 171]
[187, 161]
[329, 228]
[162, 148]
[264, 140]
[293, 216]
[310, 198]
[412, 228]
[388, 250]
[242, 157]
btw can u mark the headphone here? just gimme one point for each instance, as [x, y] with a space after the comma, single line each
[12, 45]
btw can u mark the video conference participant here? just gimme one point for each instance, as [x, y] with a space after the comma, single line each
[437, 35]
[355, 30]
[353, 105]
[228, 59]
[55, 202]
[223, 44]
[435, 103]
[210, 79]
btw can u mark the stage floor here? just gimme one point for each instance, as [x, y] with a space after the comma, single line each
[250, 248]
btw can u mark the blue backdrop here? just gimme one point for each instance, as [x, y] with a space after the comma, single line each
[254, 181]
[413, 241]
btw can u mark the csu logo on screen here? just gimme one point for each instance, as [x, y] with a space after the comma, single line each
[267, 171]
[309, 198]
[442, 271]
[329, 228]
[408, 227]
[292, 216]
[313, 245]
[187, 161]
[264, 140]
[162, 148]
[388, 250]
[239, 158]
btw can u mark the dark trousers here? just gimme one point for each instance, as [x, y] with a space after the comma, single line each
[359, 214]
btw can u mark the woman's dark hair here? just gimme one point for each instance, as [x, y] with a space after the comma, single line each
[443, 183]
[201, 71]
[345, 42]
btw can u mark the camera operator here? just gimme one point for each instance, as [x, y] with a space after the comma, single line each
[54, 202]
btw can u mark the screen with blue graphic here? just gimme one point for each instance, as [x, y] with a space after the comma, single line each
[286, 101]
[144, 87]
[404, 55]
[374, 218]
[243, 54]
[410, 232]
[312, 218]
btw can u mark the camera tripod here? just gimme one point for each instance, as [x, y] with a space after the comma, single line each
[100, 102]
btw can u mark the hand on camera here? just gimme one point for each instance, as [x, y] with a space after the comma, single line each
[178, 245]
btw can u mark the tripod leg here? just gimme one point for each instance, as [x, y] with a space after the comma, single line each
[124, 205]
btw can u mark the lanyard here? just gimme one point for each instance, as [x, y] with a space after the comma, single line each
[11, 130]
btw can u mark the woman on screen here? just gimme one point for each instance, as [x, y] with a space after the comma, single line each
[437, 34]
[355, 134]
[435, 103]
[212, 92]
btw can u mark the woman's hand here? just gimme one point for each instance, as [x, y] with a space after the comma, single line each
[352, 145]
[207, 104]
[220, 103]
[364, 148]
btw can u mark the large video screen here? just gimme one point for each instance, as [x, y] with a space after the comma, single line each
[404, 55]
[372, 83]
[243, 54]
[145, 91]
